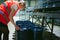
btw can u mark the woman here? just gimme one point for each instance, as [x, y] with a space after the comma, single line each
[5, 17]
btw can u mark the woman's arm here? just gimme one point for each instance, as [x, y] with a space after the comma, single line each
[11, 18]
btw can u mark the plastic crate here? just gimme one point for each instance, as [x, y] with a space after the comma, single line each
[29, 32]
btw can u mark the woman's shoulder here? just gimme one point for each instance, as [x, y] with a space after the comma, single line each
[14, 6]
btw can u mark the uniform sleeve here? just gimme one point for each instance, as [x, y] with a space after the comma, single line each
[14, 6]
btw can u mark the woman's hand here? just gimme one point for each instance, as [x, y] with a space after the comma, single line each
[17, 27]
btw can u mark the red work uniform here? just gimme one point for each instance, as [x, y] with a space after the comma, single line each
[5, 11]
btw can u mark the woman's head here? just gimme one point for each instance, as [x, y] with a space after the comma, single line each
[22, 5]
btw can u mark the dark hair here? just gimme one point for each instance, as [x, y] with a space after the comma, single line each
[22, 4]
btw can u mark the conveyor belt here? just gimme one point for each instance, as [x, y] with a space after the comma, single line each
[48, 15]
[28, 30]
